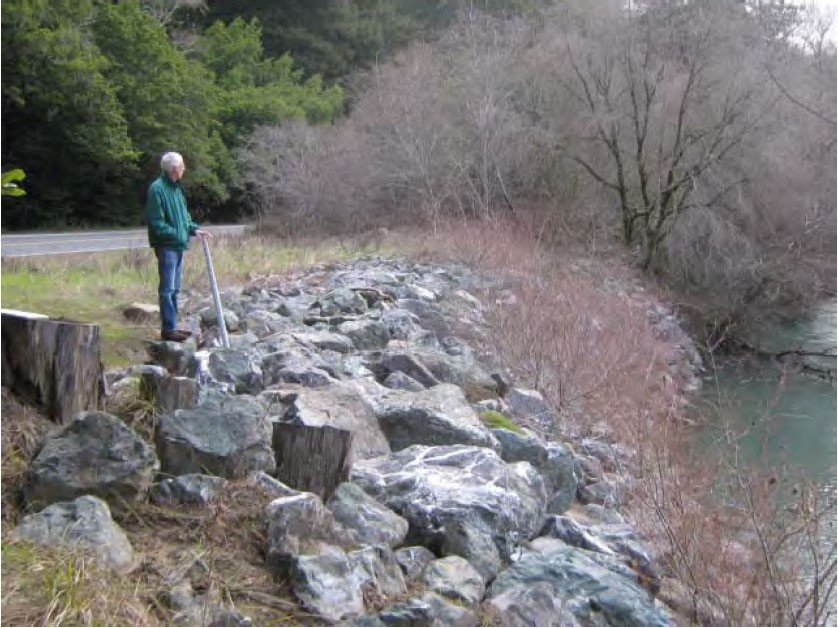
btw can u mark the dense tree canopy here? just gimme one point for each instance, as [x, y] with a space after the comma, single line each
[94, 92]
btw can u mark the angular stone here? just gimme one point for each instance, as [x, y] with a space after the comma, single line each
[209, 318]
[300, 525]
[333, 584]
[438, 416]
[596, 590]
[459, 500]
[428, 609]
[366, 333]
[224, 436]
[399, 381]
[530, 407]
[193, 489]
[324, 340]
[608, 494]
[96, 454]
[175, 357]
[414, 560]
[236, 367]
[341, 301]
[453, 577]
[84, 523]
[385, 363]
[373, 523]
[401, 324]
[560, 473]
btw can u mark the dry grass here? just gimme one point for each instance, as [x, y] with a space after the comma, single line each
[96, 287]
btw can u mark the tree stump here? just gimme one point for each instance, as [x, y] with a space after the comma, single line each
[55, 363]
[313, 459]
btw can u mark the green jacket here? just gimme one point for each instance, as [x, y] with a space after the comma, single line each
[169, 222]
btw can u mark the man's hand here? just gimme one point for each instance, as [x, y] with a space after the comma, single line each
[203, 233]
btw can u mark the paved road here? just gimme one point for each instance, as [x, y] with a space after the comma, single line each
[86, 242]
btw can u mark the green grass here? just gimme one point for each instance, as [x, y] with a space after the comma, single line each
[96, 287]
[497, 420]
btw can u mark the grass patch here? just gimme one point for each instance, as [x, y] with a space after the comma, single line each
[498, 420]
[96, 287]
[56, 586]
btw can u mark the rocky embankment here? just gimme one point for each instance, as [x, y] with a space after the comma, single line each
[439, 519]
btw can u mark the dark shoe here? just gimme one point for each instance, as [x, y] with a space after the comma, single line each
[175, 335]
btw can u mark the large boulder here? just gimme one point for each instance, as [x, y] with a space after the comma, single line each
[373, 523]
[453, 577]
[428, 609]
[300, 525]
[385, 363]
[237, 367]
[96, 454]
[366, 333]
[333, 584]
[227, 436]
[438, 416]
[459, 500]
[552, 582]
[414, 560]
[340, 301]
[85, 524]
[194, 489]
[295, 366]
[560, 473]
[338, 405]
[529, 408]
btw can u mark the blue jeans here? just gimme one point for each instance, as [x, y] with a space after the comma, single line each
[170, 269]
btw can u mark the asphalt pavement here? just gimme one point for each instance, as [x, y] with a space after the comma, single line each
[30, 244]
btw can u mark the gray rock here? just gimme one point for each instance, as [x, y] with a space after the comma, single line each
[237, 367]
[265, 323]
[295, 366]
[438, 416]
[84, 523]
[459, 500]
[530, 407]
[414, 560]
[428, 609]
[300, 525]
[333, 584]
[453, 577]
[224, 436]
[399, 381]
[201, 609]
[428, 315]
[175, 357]
[385, 363]
[366, 333]
[96, 454]
[596, 590]
[193, 489]
[209, 318]
[588, 470]
[339, 405]
[243, 340]
[400, 323]
[167, 392]
[575, 534]
[270, 485]
[533, 605]
[515, 447]
[560, 473]
[341, 301]
[601, 514]
[604, 493]
[461, 370]
[373, 523]
[324, 340]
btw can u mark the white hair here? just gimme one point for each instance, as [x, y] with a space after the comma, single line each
[170, 160]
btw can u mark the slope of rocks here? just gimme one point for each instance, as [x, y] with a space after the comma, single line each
[439, 520]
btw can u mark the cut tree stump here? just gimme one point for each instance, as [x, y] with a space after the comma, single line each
[55, 363]
[313, 459]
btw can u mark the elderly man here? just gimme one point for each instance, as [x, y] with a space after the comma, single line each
[169, 228]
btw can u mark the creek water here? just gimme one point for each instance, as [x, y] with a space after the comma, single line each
[786, 418]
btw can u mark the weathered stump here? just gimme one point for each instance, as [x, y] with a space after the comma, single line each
[56, 363]
[313, 459]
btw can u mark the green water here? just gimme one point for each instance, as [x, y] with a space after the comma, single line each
[782, 420]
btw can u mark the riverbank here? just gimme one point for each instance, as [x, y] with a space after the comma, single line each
[598, 343]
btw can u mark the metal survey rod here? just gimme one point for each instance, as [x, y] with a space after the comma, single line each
[225, 340]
